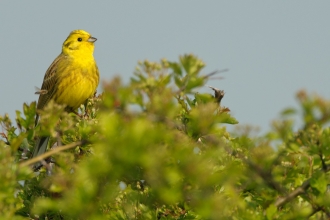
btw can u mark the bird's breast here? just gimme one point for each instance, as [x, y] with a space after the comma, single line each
[77, 85]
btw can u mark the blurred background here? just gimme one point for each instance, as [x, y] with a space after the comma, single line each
[272, 49]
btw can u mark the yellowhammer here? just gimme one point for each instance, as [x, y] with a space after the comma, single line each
[71, 79]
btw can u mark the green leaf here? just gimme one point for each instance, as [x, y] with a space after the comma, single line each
[204, 98]
[193, 83]
[227, 119]
[191, 64]
[319, 182]
[176, 68]
[288, 111]
[271, 211]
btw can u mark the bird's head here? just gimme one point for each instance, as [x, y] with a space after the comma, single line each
[79, 42]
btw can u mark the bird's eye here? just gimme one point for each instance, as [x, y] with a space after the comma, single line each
[79, 39]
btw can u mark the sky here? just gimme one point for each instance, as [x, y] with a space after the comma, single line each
[271, 48]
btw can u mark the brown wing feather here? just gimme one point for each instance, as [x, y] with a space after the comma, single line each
[49, 83]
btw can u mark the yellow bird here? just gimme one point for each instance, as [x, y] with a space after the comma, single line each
[71, 79]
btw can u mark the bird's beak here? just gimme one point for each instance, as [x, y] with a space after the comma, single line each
[92, 39]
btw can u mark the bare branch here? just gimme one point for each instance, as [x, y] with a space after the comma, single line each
[215, 72]
[300, 190]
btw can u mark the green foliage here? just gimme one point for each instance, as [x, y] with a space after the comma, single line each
[158, 149]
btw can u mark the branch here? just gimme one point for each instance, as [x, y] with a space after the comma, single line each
[266, 176]
[215, 72]
[50, 153]
[317, 208]
[2, 134]
[300, 190]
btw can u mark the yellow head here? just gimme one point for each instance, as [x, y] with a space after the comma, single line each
[79, 42]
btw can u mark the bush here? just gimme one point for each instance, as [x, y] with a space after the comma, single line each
[157, 149]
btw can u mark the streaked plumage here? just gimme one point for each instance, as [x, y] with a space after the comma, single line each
[71, 79]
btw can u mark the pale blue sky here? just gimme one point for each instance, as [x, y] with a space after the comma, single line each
[272, 49]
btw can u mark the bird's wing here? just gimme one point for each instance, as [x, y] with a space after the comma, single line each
[49, 83]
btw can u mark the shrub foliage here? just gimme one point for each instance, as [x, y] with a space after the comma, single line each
[158, 149]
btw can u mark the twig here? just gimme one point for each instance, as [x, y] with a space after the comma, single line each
[215, 72]
[2, 134]
[300, 190]
[266, 176]
[317, 208]
[49, 153]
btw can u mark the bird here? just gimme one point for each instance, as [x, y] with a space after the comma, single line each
[70, 80]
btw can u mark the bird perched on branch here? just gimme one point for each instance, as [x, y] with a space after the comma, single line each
[70, 80]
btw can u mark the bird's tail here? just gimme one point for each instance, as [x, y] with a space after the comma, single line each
[41, 146]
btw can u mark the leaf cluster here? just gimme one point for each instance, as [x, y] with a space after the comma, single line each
[157, 149]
